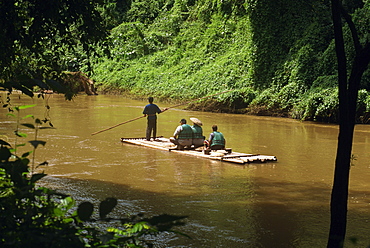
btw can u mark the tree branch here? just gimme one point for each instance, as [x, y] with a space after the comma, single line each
[352, 27]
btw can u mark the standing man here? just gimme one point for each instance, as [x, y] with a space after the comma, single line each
[151, 110]
[183, 136]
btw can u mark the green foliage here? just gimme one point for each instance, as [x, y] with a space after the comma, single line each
[28, 214]
[319, 105]
[238, 99]
[279, 99]
[40, 37]
[275, 54]
[186, 49]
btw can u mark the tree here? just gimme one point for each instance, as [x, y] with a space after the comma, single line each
[37, 34]
[348, 93]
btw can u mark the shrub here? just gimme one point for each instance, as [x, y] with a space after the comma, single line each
[32, 216]
[318, 105]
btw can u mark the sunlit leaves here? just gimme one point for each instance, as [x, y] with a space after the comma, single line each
[24, 107]
[28, 116]
[20, 134]
[64, 206]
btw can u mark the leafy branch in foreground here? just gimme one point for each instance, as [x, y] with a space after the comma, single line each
[33, 216]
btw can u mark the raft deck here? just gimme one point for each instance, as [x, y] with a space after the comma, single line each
[222, 155]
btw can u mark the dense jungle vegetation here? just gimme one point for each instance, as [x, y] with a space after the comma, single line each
[40, 40]
[278, 56]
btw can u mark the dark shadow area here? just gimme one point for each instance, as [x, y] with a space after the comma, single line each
[264, 213]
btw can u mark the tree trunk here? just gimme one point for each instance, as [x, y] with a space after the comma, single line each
[348, 93]
[339, 197]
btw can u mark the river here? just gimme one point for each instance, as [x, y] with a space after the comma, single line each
[280, 204]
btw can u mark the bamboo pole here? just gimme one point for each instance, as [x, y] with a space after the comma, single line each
[119, 124]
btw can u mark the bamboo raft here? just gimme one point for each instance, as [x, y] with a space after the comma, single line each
[226, 155]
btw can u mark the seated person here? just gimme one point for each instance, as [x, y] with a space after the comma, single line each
[216, 140]
[183, 136]
[198, 138]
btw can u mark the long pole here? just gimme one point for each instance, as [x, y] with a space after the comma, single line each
[119, 124]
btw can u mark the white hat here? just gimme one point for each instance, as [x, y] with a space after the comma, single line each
[196, 121]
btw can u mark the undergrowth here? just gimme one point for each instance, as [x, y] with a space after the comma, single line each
[278, 56]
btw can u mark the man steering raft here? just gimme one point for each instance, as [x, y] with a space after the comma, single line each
[151, 110]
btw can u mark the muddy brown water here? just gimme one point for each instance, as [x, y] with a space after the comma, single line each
[279, 204]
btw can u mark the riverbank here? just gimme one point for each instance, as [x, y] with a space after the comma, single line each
[213, 105]
[314, 105]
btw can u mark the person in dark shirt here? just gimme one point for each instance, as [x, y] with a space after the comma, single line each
[151, 110]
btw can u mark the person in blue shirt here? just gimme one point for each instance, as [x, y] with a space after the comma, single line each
[151, 110]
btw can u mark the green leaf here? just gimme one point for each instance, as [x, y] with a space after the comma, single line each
[10, 114]
[138, 227]
[29, 125]
[68, 220]
[19, 134]
[26, 106]
[36, 143]
[58, 212]
[27, 116]
[67, 202]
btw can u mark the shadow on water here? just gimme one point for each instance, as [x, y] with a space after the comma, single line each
[282, 213]
[288, 213]
[298, 215]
